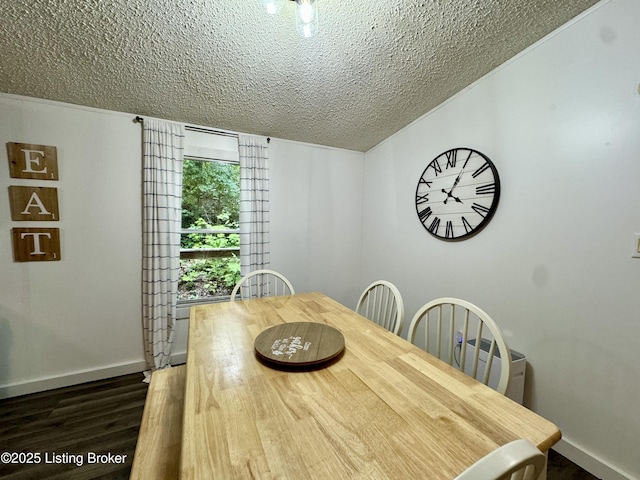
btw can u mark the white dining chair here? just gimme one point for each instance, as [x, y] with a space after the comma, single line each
[382, 303]
[262, 283]
[452, 327]
[517, 460]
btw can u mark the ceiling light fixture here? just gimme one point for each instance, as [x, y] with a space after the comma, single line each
[306, 14]
[272, 6]
[307, 17]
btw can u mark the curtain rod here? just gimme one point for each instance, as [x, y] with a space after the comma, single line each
[139, 119]
[210, 130]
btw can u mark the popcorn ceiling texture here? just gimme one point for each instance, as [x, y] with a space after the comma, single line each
[374, 67]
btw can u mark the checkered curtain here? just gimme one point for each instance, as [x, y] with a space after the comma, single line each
[163, 144]
[254, 203]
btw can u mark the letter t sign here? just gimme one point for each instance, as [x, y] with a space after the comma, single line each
[36, 244]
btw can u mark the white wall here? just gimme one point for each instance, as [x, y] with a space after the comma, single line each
[67, 321]
[315, 209]
[561, 122]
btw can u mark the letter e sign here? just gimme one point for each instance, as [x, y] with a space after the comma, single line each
[34, 203]
[32, 161]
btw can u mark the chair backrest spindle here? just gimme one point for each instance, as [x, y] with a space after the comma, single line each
[449, 341]
[382, 303]
[262, 283]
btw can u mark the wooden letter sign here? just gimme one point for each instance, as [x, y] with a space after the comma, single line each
[36, 244]
[32, 161]
[34, 203]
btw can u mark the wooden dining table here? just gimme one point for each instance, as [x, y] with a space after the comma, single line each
[382, 409]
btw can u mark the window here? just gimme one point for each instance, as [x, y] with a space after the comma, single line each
[210, 239]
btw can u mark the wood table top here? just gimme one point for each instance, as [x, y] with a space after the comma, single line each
[383, 409]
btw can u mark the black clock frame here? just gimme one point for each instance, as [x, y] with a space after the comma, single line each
[492, 209]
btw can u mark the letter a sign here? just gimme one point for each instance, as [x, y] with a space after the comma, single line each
[34, 203]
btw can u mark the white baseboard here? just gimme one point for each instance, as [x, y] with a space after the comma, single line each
[591, 463]
[67, 380]
[178, 358]
[40, 385]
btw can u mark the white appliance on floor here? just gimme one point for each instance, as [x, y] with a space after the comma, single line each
[518, 367]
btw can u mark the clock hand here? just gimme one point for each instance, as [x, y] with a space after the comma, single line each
[457, 199]
[457, 179]
[449, 193]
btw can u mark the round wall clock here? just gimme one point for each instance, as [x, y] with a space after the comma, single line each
[457, 194]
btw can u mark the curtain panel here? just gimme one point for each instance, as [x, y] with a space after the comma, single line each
[254, 203]
[163, 146]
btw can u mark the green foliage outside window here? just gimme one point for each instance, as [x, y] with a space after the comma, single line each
[210, 191]
[210, 201]
[210, 240]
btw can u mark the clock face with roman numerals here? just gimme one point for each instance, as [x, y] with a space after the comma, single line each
[457, 194]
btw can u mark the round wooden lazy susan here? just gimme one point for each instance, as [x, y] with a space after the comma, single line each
[299, 344]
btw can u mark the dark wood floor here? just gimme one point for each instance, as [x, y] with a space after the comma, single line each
[103, 417]
[559, 468]
[100, 417]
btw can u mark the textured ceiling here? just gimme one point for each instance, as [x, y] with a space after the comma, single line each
[374, 67]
